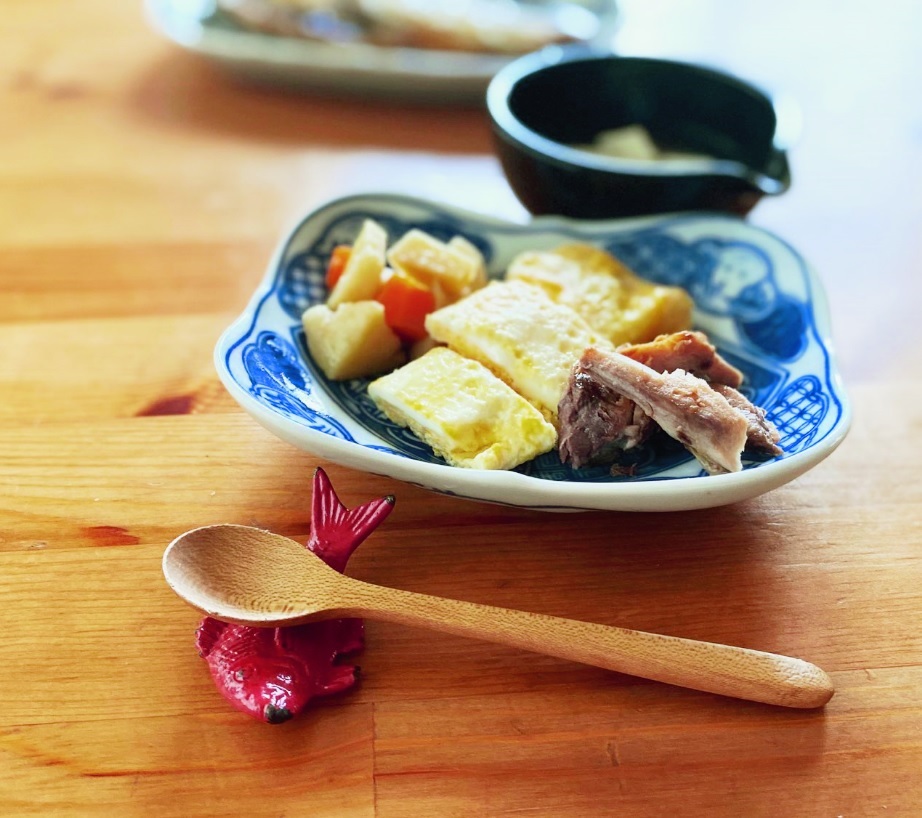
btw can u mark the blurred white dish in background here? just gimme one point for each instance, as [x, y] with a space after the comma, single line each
[501, 26]
[319, 48]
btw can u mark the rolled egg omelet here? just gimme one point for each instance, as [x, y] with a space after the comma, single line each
[463, 411]
[518, 332]
[612, 299]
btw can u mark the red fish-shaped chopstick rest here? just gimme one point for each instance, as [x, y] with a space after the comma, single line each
[272, 673]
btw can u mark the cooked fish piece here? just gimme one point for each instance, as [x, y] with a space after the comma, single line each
[684, 406]
[761, 434]
[688, 350]
[463, 411]
[522, 336]
[597, 425]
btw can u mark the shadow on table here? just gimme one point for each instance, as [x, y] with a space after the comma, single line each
[733, 575]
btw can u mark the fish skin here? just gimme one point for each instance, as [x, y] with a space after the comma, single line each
[272, 674]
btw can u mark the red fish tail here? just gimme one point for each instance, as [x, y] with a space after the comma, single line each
[336, 531]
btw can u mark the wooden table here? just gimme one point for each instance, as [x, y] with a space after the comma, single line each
[141, 194]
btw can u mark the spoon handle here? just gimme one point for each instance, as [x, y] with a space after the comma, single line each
[714, 668]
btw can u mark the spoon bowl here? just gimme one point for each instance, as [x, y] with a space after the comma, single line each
[248, 576]
[253, 577]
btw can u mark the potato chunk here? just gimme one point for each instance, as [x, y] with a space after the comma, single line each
[352, 341]
[361, 277]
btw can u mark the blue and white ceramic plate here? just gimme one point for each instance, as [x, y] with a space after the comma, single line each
[755, 297]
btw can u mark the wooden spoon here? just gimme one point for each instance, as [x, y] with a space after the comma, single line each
[253, 577]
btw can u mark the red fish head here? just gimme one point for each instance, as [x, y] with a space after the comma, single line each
[271, 689]
[272, 673]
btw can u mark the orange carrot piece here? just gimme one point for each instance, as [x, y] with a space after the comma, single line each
[339, 258]
[406, 302]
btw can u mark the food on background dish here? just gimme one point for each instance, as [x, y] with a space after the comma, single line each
[635, 142]
[571, 350]
[615, 401]
[500, 26]
[466, 414]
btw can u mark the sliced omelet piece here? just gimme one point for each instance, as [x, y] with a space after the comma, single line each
[463, 411]
[548, 270]
[518, 332]
[604, 292]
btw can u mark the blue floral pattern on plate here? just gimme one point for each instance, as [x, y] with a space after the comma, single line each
[754, 296]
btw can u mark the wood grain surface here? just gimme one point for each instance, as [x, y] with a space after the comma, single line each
[142, 192]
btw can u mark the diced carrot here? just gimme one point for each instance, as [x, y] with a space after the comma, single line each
[339, 258]
[407, 302]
